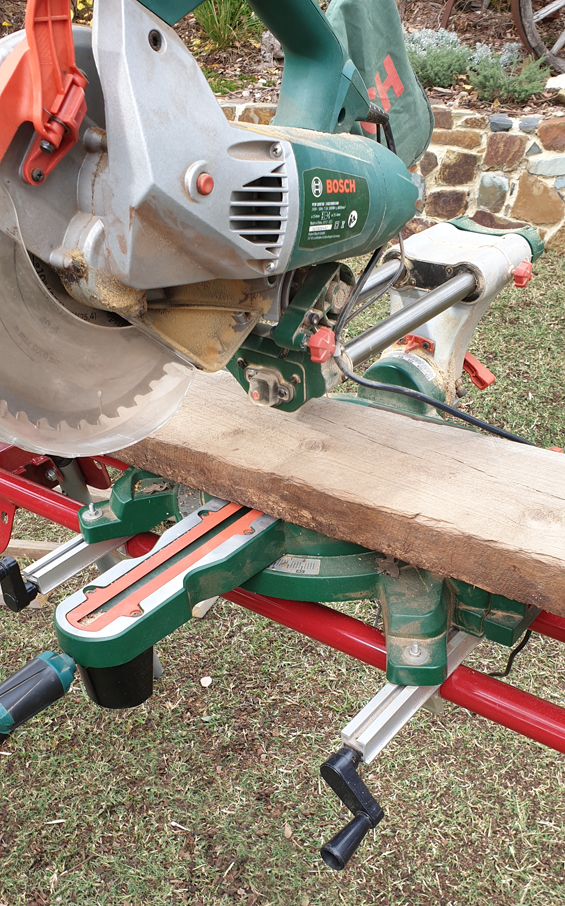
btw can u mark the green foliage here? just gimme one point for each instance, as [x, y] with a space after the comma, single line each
[440, 67]
[227, 21]
[437, 57]
[222, 85]
[491, 80]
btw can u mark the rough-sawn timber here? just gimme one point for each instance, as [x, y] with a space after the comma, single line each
[484, 510]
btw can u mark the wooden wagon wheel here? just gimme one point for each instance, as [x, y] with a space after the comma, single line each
[447, 10]
[541, 27]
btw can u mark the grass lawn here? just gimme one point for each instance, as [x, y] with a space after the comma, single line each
[211, 796]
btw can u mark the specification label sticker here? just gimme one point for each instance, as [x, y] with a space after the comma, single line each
[336, 207]
[299, 566]
[415, 360]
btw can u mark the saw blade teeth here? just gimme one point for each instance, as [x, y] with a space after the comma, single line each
[74, 388]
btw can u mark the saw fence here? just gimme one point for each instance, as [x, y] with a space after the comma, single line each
[479, 509]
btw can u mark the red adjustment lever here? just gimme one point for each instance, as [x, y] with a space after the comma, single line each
[523, 273]
[480, 376]
[41, 84]
[322, 345]
[413, 341]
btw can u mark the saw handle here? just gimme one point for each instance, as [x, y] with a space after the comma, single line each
[38, 684]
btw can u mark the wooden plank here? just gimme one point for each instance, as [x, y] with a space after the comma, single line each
[33, 550]
[484, 510]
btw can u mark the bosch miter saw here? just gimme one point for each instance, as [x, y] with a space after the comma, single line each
[143, 236]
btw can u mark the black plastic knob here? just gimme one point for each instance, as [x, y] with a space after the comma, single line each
[17, 593]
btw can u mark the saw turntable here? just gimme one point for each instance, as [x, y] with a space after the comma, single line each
[143, 237]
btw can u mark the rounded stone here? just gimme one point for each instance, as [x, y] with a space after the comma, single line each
[492, 192]
[529, 124]
[499, 122]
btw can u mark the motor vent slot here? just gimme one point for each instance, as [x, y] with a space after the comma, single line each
[259, 210]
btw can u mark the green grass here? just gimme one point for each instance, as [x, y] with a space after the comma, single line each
[475, 815]
[222, 85]
[227, 22]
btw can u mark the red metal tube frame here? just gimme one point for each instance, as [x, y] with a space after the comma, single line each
[40, 500]
[504, 704]
[549, 624]
[519, 711]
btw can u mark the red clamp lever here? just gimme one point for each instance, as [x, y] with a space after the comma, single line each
[322, 345]
[41, 84]
[523, 273]
[480, 376]
[414, 341]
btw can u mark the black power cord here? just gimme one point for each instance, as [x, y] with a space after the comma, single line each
[430, 401]
[349, 312]
[378, 116]
[513, 654]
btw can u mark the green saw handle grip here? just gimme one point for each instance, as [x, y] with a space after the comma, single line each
[321, 87]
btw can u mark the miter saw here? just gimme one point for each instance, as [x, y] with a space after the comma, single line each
[142, 235]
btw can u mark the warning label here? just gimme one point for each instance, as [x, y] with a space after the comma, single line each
[299, 566]
[336, 206]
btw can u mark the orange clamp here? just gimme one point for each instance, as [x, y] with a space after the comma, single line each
[41, 84]
[322, 345]
[414, 341]
[480, 376]
[523, 273]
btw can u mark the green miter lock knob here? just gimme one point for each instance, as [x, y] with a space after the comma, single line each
[139, 501]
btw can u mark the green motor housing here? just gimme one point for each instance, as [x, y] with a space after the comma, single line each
[354, 195]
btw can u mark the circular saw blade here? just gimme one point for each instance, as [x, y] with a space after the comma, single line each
[74, 381]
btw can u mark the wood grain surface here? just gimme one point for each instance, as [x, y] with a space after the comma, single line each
[477, 508]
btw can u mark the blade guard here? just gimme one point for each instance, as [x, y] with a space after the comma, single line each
[41, 84]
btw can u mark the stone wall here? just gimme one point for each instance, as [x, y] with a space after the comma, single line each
[501, 172]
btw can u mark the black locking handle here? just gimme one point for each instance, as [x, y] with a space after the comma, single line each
[17, 593]
[340, 773]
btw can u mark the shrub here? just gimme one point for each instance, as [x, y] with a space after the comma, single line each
[517, 82]
[227, 21]
[437, 57]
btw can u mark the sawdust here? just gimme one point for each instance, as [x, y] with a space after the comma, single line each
[99, 289]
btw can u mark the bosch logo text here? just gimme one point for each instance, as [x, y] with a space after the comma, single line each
[339, 186]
